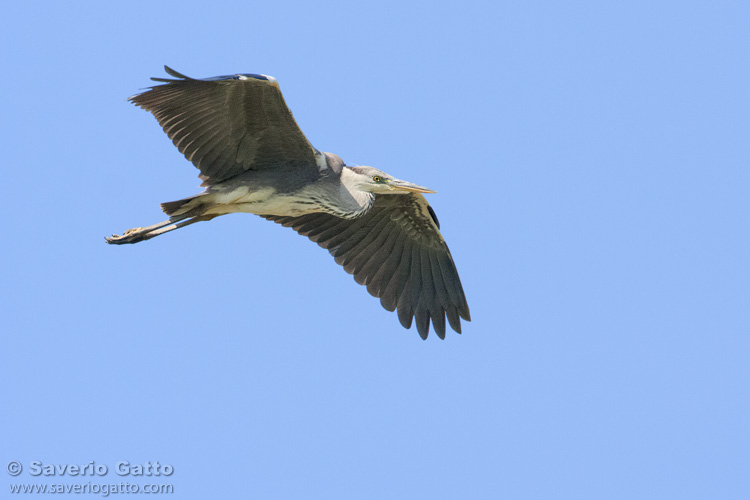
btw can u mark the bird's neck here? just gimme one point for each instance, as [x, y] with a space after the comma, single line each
[352, 200]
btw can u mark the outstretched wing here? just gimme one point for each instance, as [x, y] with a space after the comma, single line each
[227, 125]
[396, 250]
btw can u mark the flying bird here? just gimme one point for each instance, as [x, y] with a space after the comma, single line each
[253, 158]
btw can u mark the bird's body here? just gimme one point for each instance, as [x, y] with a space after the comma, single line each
[254, 158]
[281, 192]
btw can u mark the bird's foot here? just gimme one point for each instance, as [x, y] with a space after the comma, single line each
[133, 235]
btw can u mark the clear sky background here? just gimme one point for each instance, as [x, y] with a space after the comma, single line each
[592, 173]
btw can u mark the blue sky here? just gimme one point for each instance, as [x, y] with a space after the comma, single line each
[591, 167]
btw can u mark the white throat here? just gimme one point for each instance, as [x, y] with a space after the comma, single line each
[354, 198]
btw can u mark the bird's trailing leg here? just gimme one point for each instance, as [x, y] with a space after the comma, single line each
[146, 233]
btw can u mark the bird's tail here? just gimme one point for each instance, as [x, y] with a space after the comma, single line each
[190, 206]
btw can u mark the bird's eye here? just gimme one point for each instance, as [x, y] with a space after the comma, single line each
[376, 178]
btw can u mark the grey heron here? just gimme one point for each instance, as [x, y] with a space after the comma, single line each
[253, 158]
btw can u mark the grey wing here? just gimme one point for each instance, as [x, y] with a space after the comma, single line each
[396, 250]
[229, 124]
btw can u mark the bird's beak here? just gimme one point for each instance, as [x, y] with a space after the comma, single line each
[408, 186]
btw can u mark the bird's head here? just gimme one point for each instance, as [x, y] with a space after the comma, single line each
[376, 181]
